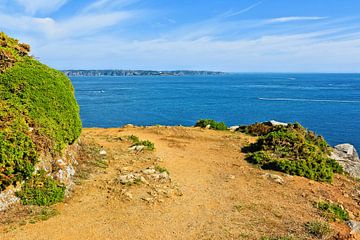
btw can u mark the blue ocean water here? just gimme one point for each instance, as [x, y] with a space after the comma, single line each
[329, 104]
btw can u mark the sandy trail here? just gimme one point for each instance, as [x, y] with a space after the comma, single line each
[223, 197]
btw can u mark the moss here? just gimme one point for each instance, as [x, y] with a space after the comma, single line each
[333, 211]
[294, 150]
[41, 190]
[204, 123]
[38, 112]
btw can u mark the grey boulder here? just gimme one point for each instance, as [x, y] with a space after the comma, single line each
[347, 156]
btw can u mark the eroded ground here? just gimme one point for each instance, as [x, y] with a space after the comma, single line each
[195, 185]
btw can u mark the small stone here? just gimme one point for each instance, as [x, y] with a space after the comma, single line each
[144, 180]
[149, 171]
[355, 226]
[234, 128]
[128, 195]
[231, 177]
[274, 177]
[102, 152]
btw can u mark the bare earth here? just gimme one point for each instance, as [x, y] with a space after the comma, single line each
[213, 194]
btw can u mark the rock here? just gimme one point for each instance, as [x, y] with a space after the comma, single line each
[8, 197]
[275, 178]
[144, 180]
[129, 178]
[149, 171]
[275, 123]
[128, 126]
[234, 128]
[137, 149]
[102, 152]
[354, 225]
[128, 195]
[208, 126]
[346, 155]
[230, 177]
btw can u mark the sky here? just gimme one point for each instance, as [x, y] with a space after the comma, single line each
[219, 35]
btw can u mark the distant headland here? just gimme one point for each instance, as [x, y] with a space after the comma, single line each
[100, 73]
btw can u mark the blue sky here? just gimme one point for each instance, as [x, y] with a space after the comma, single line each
[225, 35]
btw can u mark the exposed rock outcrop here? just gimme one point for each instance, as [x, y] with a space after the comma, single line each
[348, 158]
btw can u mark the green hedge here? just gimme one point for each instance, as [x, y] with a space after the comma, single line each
[294, 150]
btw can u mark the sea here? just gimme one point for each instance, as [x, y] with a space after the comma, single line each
[328, 104]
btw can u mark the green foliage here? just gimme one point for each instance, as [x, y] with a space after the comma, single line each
[38, 112]
[137, 142]
[294, 150]
[203, 123]
[41, 190]
[333, 211]
[318, 229]
[257, 129]
[161, 169]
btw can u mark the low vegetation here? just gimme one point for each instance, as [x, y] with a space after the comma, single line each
[161, 169]
[212, 124]
[137, 142]
[293, 150]
[258, 129]
[38, 112]
[278, 238]
[332, 211]
[318, 229]
[41, 190]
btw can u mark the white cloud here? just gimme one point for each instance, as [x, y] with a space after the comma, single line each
[43, 6]
[50, 29]
[232, 13]
[101, 5]
[292, 19]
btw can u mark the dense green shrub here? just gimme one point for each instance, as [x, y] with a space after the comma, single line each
[294, 150]
[38, 111]
[203, 123]
[41, 190]
[333, 211]
[257, 129]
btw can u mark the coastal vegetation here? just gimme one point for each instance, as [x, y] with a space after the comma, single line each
[333, 211]
[38, 113]
[41, 190]
[137, 142]
[211, 124]
[292, 149]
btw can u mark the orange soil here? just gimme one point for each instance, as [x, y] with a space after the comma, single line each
[223, 196]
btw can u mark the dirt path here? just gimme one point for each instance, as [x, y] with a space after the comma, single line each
[215, 194]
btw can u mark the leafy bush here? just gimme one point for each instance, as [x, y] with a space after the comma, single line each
[318, 229]
[333, 211]
[257, 129]
[204, 123]
[137, 142]
[294, 150]
[41, 190]
[38, 112]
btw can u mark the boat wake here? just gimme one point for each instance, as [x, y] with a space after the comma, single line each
[308, 100]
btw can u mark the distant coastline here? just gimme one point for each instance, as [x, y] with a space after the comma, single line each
[101, 73]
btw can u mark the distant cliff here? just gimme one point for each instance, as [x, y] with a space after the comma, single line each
[99, 73]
